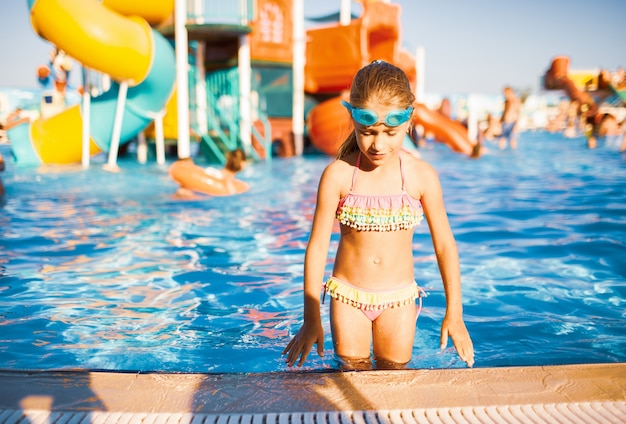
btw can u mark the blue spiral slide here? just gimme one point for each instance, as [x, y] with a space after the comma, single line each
[114, 37]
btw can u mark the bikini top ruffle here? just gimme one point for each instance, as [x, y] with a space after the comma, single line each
[379, 213]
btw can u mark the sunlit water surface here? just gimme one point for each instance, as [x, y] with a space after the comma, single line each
[109, 271]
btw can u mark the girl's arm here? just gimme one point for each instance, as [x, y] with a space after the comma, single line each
[316, 254]
[449, 266]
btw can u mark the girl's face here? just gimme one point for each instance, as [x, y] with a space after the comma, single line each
[380, 142]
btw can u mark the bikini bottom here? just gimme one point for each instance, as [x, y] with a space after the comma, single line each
[373, 302]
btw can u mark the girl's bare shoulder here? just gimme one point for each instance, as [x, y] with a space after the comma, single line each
[415, 166]
[419, 175]
[338, 174]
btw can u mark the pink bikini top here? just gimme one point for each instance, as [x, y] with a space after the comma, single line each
[389, 212]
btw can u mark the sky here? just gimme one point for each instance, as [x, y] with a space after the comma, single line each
[471, 46]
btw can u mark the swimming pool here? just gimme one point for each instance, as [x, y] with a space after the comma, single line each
[109, 271]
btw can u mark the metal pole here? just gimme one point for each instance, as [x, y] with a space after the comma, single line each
[245, 79]
[345, 12]
[86, 119]
[142, 148]
[111, 165]
[160, 138]
[182, 88]
[201, 91]
[299, 61]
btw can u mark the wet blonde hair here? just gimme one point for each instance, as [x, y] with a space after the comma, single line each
[379, 82]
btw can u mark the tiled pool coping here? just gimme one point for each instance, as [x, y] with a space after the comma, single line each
[596, 387]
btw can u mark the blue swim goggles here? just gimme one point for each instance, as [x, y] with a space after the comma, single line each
[367, 117]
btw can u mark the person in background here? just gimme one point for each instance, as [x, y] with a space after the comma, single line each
[573, 124]
[236, 161]
[609, 131]
[212, 181]
[490, 128]
[556, 123]
[510, 118]
[478, 150]
[379, 194]
[619, 78]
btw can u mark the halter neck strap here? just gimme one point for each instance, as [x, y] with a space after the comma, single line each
[358, 163]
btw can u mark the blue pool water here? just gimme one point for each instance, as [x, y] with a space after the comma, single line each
[109, 271]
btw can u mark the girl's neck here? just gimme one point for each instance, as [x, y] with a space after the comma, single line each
[389, 164]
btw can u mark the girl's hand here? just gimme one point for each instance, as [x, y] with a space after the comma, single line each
[455, 328]
[303, 341]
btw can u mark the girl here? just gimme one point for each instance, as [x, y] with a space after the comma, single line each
[379, 194]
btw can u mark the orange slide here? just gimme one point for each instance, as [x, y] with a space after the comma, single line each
[557, 78]
[446, 130]
[329, 124]
[335, 53]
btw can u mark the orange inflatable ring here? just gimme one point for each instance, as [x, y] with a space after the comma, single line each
[195, 178]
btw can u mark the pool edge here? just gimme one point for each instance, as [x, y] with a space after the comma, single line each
[301, 392]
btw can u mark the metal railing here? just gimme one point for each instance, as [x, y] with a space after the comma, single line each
[224, 115]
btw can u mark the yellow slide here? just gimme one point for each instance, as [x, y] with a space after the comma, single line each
[114, 37]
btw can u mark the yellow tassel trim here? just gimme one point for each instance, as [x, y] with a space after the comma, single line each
[369, 300]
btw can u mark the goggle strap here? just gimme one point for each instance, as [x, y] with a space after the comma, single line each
[367, 117]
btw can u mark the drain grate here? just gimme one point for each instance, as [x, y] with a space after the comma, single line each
[583, 413]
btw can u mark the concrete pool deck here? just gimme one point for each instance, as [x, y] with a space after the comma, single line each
[575, 391]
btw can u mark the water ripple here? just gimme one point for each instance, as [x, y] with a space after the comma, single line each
[109, 271]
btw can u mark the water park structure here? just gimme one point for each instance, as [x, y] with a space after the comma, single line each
[335, 52]
[222, 75]
[597, 93]
[136, 57]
